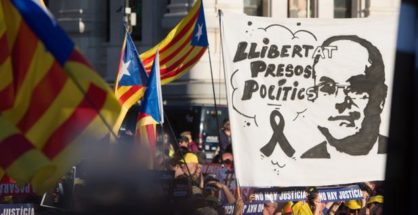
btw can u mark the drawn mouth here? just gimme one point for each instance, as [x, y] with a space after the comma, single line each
[349, 119]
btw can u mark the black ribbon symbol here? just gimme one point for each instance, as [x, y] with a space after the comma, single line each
[277, 137]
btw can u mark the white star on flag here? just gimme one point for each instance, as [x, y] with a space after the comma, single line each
[125, 70]
[199, 31]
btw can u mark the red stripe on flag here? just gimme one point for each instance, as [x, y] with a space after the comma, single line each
[22, 53]
[82, 116]
[152, 138]
[12, 148]
[181, 48]
[7, 97]
[43, 96]
[141, 115]
[180, 35]
[76, 56]
[179, 62]
[175, 69]
[132, 90]
[4, 50]
[186, 43]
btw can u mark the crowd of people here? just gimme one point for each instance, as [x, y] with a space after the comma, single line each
[118, 180]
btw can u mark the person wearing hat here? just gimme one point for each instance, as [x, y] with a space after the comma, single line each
[354, 207]
[375, 205]
[188, 166]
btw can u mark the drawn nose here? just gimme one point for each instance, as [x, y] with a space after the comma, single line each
[347, 103]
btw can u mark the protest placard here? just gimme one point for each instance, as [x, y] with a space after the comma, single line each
[308, 99]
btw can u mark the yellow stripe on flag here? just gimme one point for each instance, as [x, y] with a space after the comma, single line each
[125, 108]
[122, 90]
[148, 120]
[39, 67]
[59, 111]
[6, 73]
[12, 22]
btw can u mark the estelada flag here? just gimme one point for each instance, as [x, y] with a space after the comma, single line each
[131, 79]
[182, 48]
[151, 111]
[52, 101]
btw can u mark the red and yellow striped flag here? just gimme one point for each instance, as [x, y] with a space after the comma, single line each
[52, 101]
[182, 48]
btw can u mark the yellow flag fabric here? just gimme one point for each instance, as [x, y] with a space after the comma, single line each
[53, 102]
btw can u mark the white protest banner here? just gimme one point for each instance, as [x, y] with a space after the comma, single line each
[309, 99]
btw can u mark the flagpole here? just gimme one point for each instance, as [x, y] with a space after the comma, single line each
[214, 99]
[223, 65]
[222, 47]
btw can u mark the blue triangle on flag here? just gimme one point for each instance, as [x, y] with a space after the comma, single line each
[152, 102]
[132, 70]
[200, 36]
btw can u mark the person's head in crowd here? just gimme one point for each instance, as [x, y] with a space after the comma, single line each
[354, 207]
[190, 167]
[365, 187]
[185, 160]
[375, 205]
[228, 160]
[378, 189]
[187, 134]
[183, 142]
[312, 205]
[287, 208]
[211, 190]
[192, 146]
[313, 197]
[270, 207]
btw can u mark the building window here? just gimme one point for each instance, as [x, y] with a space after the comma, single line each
[351, 8]
[135, 19]
[302, 8]
[342, 8]
[253, 7]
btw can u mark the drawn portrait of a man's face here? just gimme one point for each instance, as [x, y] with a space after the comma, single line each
[351, 93]
[343, 100]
